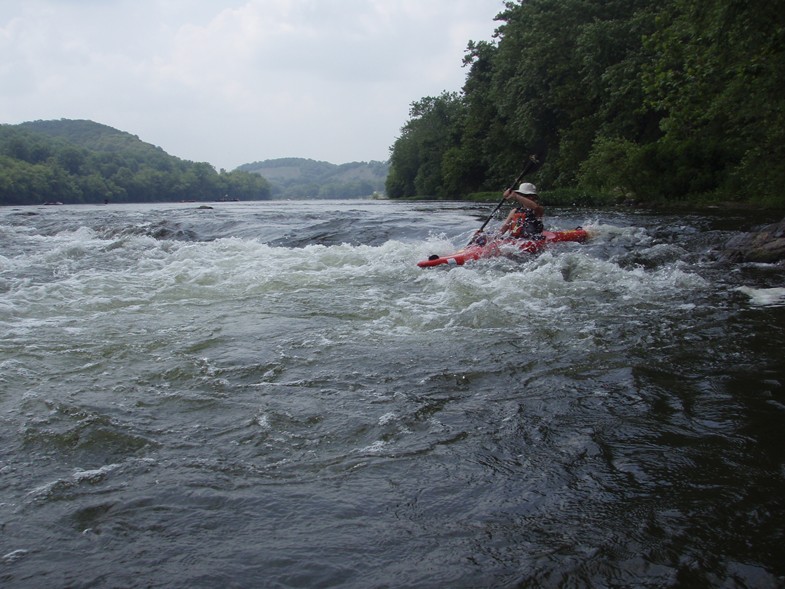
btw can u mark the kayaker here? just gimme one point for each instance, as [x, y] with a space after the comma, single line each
[525, 220]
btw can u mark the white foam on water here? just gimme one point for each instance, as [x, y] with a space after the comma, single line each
[15, 555]
[82, 280]
[78, 477]
[764, 297]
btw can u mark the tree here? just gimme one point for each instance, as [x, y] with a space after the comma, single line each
[417, 157]
[717, 78]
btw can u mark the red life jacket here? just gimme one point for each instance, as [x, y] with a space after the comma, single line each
[525, 224]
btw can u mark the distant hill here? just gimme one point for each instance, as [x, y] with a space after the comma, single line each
[91, 135]
[77, 161]
[297, 177]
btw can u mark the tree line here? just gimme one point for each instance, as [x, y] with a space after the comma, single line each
[86, 162]
[639, 100]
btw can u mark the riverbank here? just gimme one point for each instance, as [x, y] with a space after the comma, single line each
[565, 197]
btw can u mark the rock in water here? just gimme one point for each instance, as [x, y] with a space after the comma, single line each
[766, 245]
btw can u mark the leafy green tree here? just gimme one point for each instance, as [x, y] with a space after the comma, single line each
[718, 78]
[244, 185]
[404, 164]
[71, 159]
[477, 162]
[431, 132]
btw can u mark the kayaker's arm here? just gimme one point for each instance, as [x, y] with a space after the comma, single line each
[525, 202]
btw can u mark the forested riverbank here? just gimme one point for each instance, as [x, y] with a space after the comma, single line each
[622, 101]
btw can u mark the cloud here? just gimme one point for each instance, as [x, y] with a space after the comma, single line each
[234, 82]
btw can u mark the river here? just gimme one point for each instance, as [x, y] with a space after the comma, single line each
[273, 394]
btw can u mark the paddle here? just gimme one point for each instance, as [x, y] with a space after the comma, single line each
[532, 161]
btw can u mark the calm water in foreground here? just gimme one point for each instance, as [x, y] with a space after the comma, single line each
[274, 395]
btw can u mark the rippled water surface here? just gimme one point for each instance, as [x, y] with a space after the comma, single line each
[275, 395]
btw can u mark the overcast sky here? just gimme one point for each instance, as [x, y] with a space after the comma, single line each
[235, 81]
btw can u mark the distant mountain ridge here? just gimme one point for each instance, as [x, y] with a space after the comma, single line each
[299, 177]
[80, 161]
[91, 135]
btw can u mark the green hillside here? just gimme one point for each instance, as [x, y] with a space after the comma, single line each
[297, 178]
[94, 136]
[77, 161]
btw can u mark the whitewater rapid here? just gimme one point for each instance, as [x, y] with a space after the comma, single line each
[274, 394]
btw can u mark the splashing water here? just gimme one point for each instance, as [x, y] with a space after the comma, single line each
[275, 394]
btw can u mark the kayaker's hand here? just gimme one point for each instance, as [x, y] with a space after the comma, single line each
[479, 238]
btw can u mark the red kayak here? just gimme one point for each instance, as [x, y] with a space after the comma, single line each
[493, 248]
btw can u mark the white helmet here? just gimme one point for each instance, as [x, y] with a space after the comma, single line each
[527, 188]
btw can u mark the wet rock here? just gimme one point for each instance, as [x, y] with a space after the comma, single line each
[766, 245]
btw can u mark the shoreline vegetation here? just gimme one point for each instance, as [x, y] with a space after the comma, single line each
[642, 102]
[570, 197]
